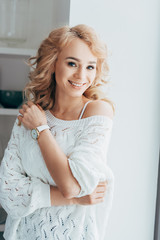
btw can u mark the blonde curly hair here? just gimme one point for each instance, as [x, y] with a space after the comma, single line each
[41, 87]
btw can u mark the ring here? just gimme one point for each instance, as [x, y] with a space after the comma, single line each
[19, 114]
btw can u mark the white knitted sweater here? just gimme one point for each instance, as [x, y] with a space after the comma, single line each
[25, 182]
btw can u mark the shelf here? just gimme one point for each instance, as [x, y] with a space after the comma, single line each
[18, 51]
[9, 112]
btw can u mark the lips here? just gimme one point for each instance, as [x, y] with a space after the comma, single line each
[76, 84]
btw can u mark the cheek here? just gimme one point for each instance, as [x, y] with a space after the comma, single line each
[92, 76]
[60, 74]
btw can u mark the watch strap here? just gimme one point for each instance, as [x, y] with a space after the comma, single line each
[42, 127]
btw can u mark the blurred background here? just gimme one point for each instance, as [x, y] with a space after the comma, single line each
[131, 30]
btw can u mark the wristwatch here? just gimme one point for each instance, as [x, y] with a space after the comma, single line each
[36, 131]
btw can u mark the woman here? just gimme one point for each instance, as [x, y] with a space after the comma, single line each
[54, 181]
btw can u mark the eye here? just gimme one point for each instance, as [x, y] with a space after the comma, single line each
[71, 64]
[90, 67]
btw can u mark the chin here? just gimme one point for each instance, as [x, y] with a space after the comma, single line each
[76, 94]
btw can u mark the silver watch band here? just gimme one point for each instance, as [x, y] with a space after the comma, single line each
[42, 127]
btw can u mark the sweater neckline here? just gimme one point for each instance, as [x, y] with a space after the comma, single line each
[58, 121]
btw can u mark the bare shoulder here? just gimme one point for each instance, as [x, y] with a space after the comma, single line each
[99, 107]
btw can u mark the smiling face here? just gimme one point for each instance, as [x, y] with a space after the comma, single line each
[75, 69]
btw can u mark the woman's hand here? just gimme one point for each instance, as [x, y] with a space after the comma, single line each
[57, 198]
[32, 115]
[96, 197]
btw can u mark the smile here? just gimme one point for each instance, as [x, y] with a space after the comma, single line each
[76, 84]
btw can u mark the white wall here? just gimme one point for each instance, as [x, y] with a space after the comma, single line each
[61, 12]
[131, 31]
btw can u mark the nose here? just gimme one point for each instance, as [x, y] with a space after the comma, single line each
[80, 73]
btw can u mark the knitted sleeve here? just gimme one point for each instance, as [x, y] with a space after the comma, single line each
[87, 160]
[20, 194]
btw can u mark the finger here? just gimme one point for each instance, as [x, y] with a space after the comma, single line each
[102, 183]
[101, 186]
[98, 200]
[21, 112]
[20, 117]
[19, 120]
[39, 106]
[19, 123]
[30, 103]
[99, 195]
[25, 107]
[101, 189]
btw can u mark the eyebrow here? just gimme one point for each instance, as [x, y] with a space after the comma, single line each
[78, 60]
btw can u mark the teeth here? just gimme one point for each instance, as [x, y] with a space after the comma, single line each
[76, 84]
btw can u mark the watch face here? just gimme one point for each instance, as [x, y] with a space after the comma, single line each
[34, 134]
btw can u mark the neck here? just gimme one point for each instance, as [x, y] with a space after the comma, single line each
[66, 104]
